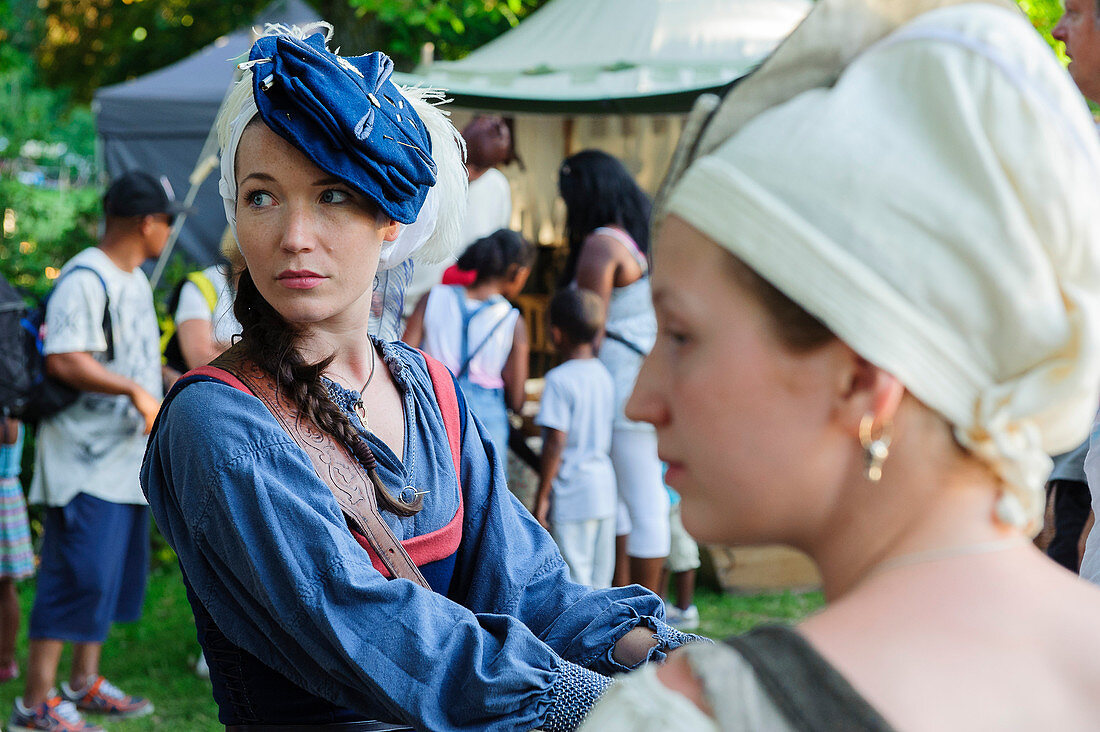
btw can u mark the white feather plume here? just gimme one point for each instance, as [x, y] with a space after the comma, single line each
[449, 154]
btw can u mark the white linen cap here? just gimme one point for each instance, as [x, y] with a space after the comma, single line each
[936, 207]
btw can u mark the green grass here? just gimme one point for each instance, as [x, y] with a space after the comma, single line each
[153, 657]
[721, 616]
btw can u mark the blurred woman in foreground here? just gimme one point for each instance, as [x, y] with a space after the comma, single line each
[878, 293]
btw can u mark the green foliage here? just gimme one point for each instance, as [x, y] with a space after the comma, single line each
[50, 227]
[1044, 15]
[456, 27]
[86, 44]
[48, 203]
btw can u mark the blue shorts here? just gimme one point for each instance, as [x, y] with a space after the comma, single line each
[94, 565]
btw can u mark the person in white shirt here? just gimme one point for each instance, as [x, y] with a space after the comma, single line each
[95, 547]
[577, 495]
[488, 200]
[205, 332]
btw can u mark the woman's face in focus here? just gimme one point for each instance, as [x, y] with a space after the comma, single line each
[742, 422]
[310, 241]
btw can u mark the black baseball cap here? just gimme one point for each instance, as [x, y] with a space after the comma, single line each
[139, 194]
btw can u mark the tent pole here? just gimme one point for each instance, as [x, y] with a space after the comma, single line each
[207, 162]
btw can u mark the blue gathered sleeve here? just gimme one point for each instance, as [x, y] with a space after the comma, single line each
[266, 550]
[509, 564]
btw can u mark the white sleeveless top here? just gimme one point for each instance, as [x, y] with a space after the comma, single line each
[630, 318]
[495, 321]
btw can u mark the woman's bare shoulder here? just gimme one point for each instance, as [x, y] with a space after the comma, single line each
[600, 245]
[677, 674]
[1020, 636]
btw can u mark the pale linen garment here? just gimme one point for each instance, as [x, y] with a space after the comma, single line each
[641, 703]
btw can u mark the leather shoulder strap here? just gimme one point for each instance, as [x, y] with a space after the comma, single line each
[333, 463]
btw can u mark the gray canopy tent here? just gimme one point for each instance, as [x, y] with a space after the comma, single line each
[162, 123]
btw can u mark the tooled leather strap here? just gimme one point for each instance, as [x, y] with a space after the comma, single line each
[333, 463]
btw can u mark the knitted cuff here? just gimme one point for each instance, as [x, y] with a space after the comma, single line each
[669, 638]
[573, 694]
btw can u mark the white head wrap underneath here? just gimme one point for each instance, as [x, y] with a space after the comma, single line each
[938, 208]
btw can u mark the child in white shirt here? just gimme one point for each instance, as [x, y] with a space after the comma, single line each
[577, 495]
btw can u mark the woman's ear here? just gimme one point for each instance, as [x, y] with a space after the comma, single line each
[390, 230]
[864, 388]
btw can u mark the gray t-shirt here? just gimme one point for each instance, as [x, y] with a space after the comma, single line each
[96, 445]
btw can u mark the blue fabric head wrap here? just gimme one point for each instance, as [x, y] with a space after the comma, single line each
[347, 117]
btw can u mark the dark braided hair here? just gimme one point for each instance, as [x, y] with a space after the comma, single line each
[271, 343]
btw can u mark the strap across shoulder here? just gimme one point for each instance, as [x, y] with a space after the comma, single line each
[333, 463]
[627, 241]
[810, 692]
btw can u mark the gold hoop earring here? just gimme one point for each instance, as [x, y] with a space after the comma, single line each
[875, 449]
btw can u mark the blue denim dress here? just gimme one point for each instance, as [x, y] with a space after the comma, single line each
[299, 626]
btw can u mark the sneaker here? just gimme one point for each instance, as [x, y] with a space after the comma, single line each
[9, 672]
[54, 714]
[103, 697]
[686, 619]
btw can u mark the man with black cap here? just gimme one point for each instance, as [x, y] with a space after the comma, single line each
[96, 528]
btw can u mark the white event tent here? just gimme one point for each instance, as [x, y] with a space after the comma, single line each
[618, 75]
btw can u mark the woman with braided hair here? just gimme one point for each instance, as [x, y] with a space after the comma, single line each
[352, 555]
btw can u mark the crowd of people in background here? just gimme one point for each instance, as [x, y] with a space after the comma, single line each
[600, 477]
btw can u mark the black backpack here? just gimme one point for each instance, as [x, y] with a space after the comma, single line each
[35, 395]
[15, 383]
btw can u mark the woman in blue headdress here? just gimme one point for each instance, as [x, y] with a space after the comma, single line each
[324, 160]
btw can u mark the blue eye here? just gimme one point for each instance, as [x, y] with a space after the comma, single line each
[259, 198]
[335, 195]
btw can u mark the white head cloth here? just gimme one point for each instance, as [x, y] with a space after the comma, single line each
[434, 236]
[932, 196]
